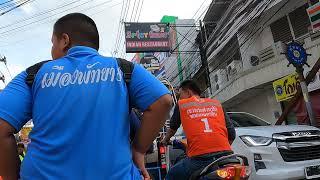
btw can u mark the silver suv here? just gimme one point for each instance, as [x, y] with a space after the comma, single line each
[274, 152]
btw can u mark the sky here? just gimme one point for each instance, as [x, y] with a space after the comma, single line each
[25, 33]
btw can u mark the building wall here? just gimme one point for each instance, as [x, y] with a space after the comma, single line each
[264, 103]
[250, 44]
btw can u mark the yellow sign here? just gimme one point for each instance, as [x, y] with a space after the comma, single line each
[286, 87]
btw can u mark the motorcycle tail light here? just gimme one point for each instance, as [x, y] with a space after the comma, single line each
[162, 150]
[234, 172]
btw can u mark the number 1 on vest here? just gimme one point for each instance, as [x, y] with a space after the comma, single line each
[206, 126]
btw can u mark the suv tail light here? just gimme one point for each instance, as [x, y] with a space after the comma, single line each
[236, 172]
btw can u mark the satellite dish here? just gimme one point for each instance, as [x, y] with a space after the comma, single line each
[254, 60]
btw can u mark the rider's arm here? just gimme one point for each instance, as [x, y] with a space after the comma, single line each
[175, 123]
[230, 128]
[9, 161]
[15, 111]
[152, 121]
[150, 96]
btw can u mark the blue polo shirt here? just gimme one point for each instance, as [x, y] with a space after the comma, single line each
[79, 107]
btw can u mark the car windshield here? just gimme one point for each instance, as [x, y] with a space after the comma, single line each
[246, 120]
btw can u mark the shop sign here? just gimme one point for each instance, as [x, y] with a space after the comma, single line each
[314, 16]
[150, 62]
[286, 87]
[147, 37]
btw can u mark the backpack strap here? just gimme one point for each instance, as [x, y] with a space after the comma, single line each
[32, 72]
[127, 69]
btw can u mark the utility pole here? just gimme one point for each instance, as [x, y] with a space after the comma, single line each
[297, 56]
[4, 60]
[203, 54]
[2, 78]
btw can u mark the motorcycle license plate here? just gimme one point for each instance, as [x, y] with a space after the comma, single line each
[312, 172]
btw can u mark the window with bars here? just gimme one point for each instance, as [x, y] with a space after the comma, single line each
[300, 21]
[281, 30]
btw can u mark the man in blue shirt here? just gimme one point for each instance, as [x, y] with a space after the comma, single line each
[80, 98]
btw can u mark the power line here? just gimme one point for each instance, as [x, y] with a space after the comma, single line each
[103, 10]
[134, 5]
[19, 5]
[19, 41]
[6, 32]
[127, 9]
[122, 14]
[121, 20]
[37, 15]
[11, 4]
[137, 11]
[6, 2]
[140, 11]
[186, 36]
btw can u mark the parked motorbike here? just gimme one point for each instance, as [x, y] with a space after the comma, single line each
[231, 167]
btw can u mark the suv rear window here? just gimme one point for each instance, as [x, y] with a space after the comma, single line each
[246, 120]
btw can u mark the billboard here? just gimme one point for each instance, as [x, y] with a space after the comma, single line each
[147, 37]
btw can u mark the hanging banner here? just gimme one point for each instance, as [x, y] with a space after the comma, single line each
[147, 37]
[314, 16]
[286, 87]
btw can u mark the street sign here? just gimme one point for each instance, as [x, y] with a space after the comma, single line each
[296, 54]
[286, 87]
[147, 37]
[314, 16]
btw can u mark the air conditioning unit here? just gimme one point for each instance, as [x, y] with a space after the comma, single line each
[218, 78]
[254, 60]
[271, 52]
[234, 68]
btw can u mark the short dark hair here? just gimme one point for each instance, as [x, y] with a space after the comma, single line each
[191, 85]
[81, 29]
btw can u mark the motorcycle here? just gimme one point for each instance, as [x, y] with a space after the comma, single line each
[230, 167]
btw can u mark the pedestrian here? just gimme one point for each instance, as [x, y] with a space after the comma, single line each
[207, 127]
[80, 98]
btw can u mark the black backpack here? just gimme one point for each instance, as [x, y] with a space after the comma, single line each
[125, 66]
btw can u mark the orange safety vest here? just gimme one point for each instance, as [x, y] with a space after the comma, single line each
[203, 122]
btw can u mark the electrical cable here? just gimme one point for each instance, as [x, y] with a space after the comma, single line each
[19, 27]
[13, 8]
[38, 14]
